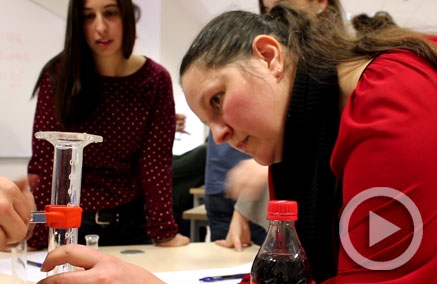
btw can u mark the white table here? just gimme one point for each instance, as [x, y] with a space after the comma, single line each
[195, 256]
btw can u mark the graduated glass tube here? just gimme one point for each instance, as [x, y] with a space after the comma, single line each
[66, 182]
[19, 263]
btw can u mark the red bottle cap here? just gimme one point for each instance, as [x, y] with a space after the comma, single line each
[282, 210]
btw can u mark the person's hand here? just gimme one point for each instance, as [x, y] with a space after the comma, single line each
[16, 202]
[247, 180]
[97, 268]
[24, 185]
[177, 241]
[180, 123]
[238, 233]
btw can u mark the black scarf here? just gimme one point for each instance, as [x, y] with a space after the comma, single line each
[304, 175]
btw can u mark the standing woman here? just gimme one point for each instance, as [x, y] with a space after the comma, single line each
[96, 85]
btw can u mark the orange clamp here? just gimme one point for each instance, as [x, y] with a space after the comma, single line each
[63, 216]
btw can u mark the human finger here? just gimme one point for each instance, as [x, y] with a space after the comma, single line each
[26, 202]
[12, 228]
[83, 277]
[232, 238]
[15, 215]
[99, 267]
[177, 241]
[180, 127]
[237, 243]
[180, 117]
[224, 243]
[3, 240]
[22, 183]
[76, 255]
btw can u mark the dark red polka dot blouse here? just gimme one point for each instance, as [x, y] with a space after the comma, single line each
[136, 118]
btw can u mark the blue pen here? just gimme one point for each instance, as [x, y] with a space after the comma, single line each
[223, 277]
[34, 263]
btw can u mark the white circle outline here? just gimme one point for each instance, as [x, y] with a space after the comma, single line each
[407, 203]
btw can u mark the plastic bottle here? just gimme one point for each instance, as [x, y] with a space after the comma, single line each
[281, 258]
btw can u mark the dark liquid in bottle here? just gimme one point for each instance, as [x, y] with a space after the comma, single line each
[280, 269]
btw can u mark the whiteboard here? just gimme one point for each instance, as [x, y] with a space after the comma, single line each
[33, 31]
[30, 34]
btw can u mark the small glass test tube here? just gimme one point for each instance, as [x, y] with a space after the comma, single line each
[92, 241]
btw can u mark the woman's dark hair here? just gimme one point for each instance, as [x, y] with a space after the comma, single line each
[333, 6]
[262, 8]
[229, 37]
[73, 73]
[137, 12]
[363, 24]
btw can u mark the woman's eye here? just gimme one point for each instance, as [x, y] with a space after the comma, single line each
[88, 16]
[111, 13]
[216, 101]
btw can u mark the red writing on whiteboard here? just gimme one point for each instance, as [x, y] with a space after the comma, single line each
[11, 38]
[11, 79]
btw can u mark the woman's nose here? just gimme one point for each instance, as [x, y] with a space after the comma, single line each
[100, 24]
[220, 132]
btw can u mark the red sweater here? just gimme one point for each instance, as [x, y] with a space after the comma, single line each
[388, 138]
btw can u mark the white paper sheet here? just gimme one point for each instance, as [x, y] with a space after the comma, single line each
[34, 274]
[193, 276]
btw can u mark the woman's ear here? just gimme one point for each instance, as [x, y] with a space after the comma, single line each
[268, 49]
[322, 5]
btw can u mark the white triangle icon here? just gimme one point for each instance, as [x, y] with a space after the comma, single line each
[379, 228]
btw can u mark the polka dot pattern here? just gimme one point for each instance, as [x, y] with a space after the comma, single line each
[136, 118]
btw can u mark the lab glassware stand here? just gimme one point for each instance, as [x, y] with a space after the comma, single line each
[64, 215]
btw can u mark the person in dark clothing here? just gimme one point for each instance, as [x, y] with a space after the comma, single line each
[188, 172]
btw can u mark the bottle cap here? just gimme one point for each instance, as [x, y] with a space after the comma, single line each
[282, 210]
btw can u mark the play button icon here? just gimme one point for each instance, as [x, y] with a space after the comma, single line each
[380, 228]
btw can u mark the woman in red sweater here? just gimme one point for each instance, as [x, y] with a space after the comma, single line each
[334, 117]
[275, 86]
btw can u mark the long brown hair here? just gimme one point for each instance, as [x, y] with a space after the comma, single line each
[364, 24]
[228, 38]
[73, 73]
[335, 6]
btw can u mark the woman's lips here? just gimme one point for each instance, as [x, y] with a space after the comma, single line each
[104, 42]
[242, 145]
